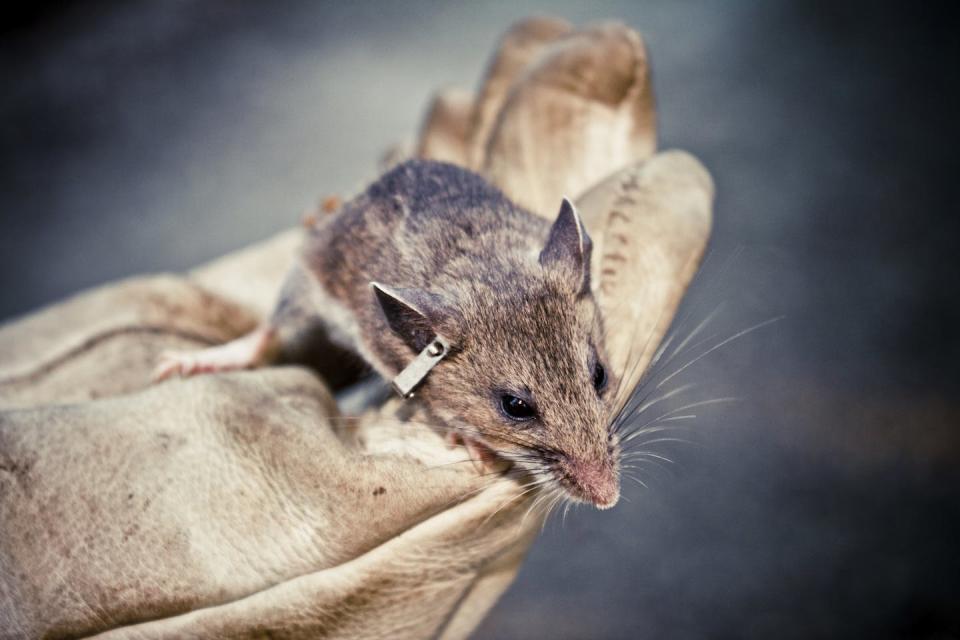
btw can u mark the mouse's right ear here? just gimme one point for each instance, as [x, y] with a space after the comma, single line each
[412, 314]
[568, 249]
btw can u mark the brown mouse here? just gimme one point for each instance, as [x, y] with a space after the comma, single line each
[432, 265]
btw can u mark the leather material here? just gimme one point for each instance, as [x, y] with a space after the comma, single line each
[244, 504]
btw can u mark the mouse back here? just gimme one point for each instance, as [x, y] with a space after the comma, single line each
[526, 376]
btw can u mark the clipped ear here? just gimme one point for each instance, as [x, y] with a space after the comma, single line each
[411, 314]
[568, 248]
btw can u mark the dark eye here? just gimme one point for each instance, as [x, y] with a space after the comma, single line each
[599, 377]
[517, 408]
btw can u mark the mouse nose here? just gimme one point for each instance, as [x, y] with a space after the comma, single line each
[595, 482]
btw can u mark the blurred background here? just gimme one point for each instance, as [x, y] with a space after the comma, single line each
[151, 136]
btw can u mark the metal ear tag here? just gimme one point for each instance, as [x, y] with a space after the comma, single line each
[414, 373]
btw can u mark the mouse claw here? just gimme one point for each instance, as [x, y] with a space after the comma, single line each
[452, 439]
[173, 363]
[479, 456]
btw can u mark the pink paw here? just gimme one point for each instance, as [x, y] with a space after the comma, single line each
[188, 363]
[244, 353]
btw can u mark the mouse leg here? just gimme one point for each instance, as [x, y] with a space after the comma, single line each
[291, 323]
[252, 350]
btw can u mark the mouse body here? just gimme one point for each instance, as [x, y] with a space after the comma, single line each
[433, 250]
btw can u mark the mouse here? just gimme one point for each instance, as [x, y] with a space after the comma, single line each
[477, 309]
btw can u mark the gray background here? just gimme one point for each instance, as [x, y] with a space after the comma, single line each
[139, 137]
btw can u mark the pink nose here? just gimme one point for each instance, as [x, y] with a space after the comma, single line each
[597, 483]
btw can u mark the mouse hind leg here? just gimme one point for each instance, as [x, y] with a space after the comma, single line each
[294, 316]
[249, 351]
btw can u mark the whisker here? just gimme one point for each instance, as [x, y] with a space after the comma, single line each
[644, 464]
[630, 370]
[508, 502]
[700, 327]
[722, 343]
[646, 442]
[637, 480]
[558, 498]
[544, 496]
[671, 415]
[644, 404]
[649, 454]
[657, 428]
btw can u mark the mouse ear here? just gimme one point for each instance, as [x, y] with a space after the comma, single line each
[568, 248]
[412, 314]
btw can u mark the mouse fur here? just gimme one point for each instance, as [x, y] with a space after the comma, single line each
[431, 248]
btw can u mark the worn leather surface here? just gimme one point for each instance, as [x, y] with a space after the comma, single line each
[200, 493]
[245, 504]
[595, 82]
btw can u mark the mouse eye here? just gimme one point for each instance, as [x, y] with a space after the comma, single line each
[517, 408]
[599, 377]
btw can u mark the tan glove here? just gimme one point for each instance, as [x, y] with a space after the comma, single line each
[245, 504]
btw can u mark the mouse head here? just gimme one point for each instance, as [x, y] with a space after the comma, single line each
[527, 377]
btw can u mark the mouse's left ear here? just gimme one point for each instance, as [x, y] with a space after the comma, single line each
[414, 315]
[568, 248]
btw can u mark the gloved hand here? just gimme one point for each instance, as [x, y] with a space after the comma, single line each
[243, 504]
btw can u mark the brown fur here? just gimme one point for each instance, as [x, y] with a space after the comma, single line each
[468, 259]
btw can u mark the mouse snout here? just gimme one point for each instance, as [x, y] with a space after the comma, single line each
[595, 481]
